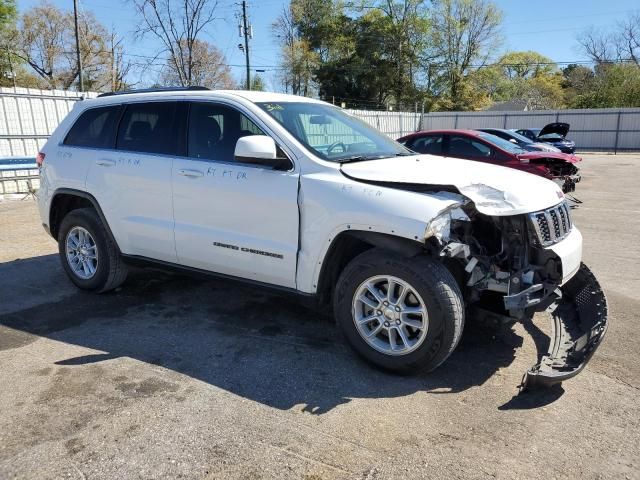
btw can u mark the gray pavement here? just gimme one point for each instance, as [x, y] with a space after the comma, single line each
[180, 377]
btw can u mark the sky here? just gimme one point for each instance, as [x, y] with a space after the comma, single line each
[549, 27]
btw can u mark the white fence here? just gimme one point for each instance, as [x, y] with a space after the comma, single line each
[28, 116]
[604, 129]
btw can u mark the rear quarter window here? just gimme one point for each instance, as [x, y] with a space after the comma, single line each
[94, 128]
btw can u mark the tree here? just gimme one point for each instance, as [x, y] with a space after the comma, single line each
[8, 15]
[609, 86]
[621, 44]
[298, 60]
[526, 76]
[257, 84]
[463, 35]
[45, 41]
[207, 67]
[178, 26]
[405, 39]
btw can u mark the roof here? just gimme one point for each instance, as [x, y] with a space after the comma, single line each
[443, 131]
[252, 96]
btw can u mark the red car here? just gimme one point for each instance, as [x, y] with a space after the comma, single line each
[484, 147]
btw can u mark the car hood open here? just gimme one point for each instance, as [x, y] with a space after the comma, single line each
[495, 190]
[559, 128]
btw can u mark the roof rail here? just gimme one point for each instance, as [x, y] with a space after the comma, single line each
[152, 90]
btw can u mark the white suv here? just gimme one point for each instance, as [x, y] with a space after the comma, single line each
[296, 194]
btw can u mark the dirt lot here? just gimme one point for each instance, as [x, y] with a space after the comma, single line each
[176, 377]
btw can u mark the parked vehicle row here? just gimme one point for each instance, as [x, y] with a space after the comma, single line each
[499, 147]
[554, 134]
[401, 247]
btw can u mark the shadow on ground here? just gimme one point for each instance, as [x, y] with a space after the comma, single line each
[253, 343]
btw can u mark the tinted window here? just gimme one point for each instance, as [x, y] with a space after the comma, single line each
[94, 128]
[502, 143]
[215, 129]
[431, 144]
[149, 128]
[466, 147]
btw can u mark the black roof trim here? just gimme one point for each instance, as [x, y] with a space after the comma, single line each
[152, 90]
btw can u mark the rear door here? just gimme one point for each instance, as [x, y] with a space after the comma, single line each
[132, 182]
[230, 217]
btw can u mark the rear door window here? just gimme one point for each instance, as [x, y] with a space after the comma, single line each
[150, 128]
[95, 128]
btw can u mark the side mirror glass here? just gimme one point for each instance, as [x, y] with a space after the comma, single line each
[260, 150]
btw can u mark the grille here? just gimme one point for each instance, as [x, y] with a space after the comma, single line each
[551, 225]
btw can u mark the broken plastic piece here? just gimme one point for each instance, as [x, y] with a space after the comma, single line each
[579, 323]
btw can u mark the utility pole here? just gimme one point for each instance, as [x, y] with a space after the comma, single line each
[75, 19]
[245, 31]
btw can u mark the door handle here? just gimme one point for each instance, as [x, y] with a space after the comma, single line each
[190, 173]
[105, 162]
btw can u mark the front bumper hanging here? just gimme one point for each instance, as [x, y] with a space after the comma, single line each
[579, 323]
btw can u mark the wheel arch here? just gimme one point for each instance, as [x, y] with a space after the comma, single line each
[350, 243]
[65, 200]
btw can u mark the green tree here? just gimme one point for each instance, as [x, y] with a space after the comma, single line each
[464, 33]
[8, 15]
[612, 86]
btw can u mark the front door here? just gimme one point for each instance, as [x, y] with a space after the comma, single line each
[230, 217]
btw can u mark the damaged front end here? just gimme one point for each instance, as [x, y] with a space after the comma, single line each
[513, 266]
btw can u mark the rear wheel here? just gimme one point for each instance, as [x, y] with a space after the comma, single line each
[88, 254]
[404, 315]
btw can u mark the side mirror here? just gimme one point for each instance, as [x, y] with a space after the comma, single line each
[513, 140]
[260, 150]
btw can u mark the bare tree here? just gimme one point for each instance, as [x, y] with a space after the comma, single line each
[622, 44]
[178, 26]
[46, 42]
[297, 58]
[208, 68]
[119, 67]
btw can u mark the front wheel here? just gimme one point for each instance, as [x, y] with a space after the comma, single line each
[404, 315]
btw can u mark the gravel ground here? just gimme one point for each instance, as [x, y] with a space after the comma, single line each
[180, 377]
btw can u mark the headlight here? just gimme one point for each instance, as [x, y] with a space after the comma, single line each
[440, 226]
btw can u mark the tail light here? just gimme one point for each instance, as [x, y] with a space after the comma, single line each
[40, 158]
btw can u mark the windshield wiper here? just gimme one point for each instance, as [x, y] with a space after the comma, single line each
[362, 158]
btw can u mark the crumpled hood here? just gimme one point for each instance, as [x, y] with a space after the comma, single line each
[565, 157]
[495, 190]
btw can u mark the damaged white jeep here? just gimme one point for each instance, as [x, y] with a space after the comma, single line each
[294, 193]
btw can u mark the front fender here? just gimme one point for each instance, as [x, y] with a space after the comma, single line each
[331, 204]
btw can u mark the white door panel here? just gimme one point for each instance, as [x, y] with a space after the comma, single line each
[134, 191]
[237, 220]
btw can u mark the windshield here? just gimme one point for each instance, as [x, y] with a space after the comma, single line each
[551, 136]
[331, 134]
[520, 138]
[502, 143]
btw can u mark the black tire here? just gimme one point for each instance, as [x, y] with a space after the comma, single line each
[111, 270]
[434, 283]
